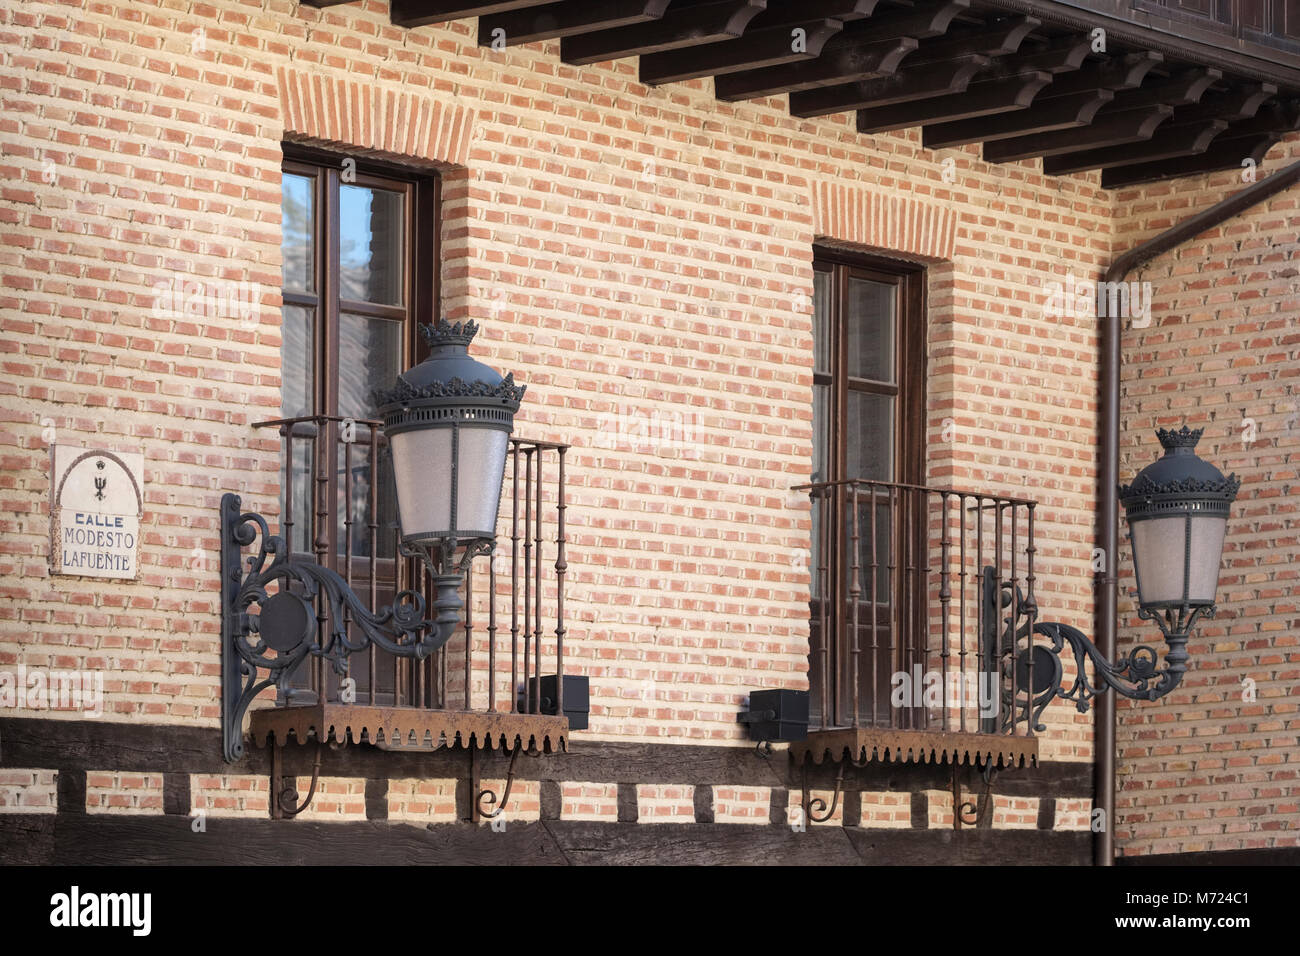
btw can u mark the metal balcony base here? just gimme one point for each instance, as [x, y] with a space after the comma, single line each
[864, 744]
[408, 728]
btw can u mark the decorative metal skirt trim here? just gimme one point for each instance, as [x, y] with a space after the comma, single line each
[408, 728]
[914, 746]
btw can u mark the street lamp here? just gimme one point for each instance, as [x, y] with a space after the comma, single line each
[448, 422]
[1177, 511]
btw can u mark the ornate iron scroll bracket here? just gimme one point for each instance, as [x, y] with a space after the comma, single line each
[966, 813]
[1136, 675]
[815, 808]
[301, 613]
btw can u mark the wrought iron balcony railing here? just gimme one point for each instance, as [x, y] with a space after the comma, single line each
[343, 511]
[912, 652]
[331, 612]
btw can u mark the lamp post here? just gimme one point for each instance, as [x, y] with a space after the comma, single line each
[1177, 512]
[448, 422]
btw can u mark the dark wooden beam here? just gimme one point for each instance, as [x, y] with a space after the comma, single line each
[1131, 126]
[566, 18]
[1187, 140]
[997, 39]
[939, 68]
[1229, 154]
[1114, 73]
[1060, 57]
[755, 50]
[688, 26]
[771, 39]
[1187, 87]
[862, 51]
[1205, 43]
[1072, 100]
[419, 13]
[1189, 132]
[941, 79]
[989, 99]
[1240, 103]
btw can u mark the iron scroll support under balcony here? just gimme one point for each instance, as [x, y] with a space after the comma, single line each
[287, 589]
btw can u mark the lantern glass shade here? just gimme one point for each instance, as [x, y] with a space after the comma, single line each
[1177, 510]
[448, 424]
[1177, 559]
[422, 466]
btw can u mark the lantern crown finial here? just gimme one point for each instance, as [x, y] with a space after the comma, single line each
[1182, 438]
[442, 332]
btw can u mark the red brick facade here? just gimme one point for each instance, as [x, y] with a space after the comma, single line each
[621, 246]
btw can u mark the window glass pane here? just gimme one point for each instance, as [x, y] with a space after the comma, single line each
[297, 361]
[869, 330]
[298, 242]
[354, 466]
[370, 357]
[821, 433]
[371, 237]
[822, 286]
[869, 433]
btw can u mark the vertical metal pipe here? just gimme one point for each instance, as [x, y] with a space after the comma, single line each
[945, 598]
[1015, 605]
[855, 598]
[961, 616]
[1031, 605]
[537, 583]
[286, 433]
[980, 611]
[823, 607]
[469, 634]
[372, 510]
[321, 543]
[514, 576]
[529, 703]
[895, 657]
[492, 631]
[875, 623]
[561, 568]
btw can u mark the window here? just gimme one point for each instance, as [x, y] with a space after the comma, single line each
[869, 423]
[359, 268]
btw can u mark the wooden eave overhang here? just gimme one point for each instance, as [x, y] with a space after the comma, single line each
[1020, 77]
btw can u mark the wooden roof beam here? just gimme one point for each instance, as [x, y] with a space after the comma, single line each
[1131, 126]
[863, 50]
[1071, 101]
[980, 99]
[942, 79]
[566, 18]
[755, 50]
[686, 26]
[1189, 132]
[1185, 140]
[419, 13]
[944, 67]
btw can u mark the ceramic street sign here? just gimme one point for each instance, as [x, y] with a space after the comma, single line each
[96, 503]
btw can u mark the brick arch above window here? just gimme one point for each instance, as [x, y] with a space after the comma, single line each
[349, 112]
[868, 218]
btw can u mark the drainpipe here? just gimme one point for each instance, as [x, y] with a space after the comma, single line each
[1106, 619]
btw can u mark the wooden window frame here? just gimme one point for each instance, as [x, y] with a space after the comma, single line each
[421, 254]
[909, 359]
[908, 467]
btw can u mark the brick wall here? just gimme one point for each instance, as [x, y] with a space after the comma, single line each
[1214, 765]
[622, 246]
